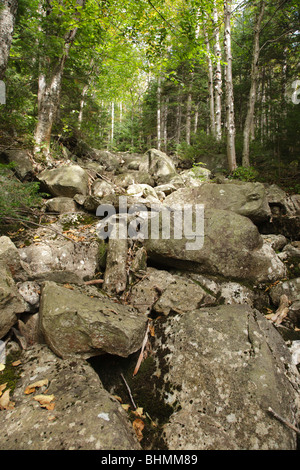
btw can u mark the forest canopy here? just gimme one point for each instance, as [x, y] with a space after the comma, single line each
[194, 78]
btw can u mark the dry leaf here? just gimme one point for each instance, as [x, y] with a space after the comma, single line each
[138, 426]
[125, 407]
[50, 406]
[4, 400]
[16, 363]
[139, 412]
[2, 387]
[118, 398]
[68, 286]
[2, 367]
[152, 331]
[31, 388]
[44, 400]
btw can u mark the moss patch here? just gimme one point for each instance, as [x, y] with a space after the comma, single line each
[10, 375]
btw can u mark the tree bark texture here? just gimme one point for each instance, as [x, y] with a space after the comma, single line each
[253, 88]
[218, 77]
[230, 120]
[8, 11]
[49, 95]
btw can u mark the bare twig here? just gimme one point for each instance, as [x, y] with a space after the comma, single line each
[284, 421]
[94, 281]
[129, 391]
[142, 352]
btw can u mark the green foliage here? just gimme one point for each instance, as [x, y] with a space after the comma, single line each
[202, 145]
[245, 174]
[16, 197]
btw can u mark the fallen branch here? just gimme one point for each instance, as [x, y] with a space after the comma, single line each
[284, 421]
[94, 281]
[282, 311]
[129, 391]
[140, 359]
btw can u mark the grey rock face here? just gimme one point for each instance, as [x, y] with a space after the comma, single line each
[247, 199]
[60, 256]
[74, 323]
[226, 366]
[11, 303]
[232, 248]
[65, 181]
[85, 416]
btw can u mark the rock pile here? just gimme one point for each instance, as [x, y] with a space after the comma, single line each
[198, 324]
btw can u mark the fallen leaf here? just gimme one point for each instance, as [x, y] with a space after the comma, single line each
[16, 363]
[31, 388]
[2, 367]
[125, 407]
[44, 400]
[151, 329]
[138, 426]
[50, 406]
[139, 412]
[4, 400]
[2, 387]
[118, 398]
[68, 286]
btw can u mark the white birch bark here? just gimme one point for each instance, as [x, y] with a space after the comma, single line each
[7, 22]
[230, 121]
[253, 88]
[217, 77]
[159, 114]
[212, 125]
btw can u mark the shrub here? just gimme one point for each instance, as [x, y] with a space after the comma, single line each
[16, 198]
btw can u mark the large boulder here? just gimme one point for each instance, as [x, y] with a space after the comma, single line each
[231, 247]
[223, 368]
[247, 199]
[163, 293]
[43, 259]
[9, 256]
[23, 166]
[159, 165]
[85, 416]
[81, 324]
[65, 181]
[62, 205]
[11, 302]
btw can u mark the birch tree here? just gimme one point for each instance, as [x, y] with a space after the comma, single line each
[8, 11]
[254, 81]
[218, 75]
[230, 121]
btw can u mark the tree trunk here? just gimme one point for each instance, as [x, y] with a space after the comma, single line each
[49, 96]
[212, 126]
[253, 88]
[189, 114]
[8, 11]
[82, 104]
[178, 120]
[112, 123]
[165, 123]
[230, 121]
[159, 114]
[218, 78]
